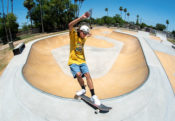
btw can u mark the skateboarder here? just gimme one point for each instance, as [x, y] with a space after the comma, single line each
[77, 60]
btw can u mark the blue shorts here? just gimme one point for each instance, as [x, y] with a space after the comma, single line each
[78, 68]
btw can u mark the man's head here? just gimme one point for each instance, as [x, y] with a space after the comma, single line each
[83, 31]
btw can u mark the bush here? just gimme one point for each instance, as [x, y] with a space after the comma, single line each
[160, 27]
[173, 32]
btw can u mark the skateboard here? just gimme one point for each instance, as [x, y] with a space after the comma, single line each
[100, 108]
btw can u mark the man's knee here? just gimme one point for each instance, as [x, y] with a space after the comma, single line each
[78, 75]
[87, 75]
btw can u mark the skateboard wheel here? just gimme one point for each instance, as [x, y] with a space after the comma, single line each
[97, 111]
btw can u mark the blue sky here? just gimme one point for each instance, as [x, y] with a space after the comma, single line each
[151, 12]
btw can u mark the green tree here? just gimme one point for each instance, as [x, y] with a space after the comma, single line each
[143, 25]
[29, 4]
[99, 21]
[108, 20]
[160, 27]
[11, 22]
[118, 20]
[173, 32]
[3, 28]
[56, 14]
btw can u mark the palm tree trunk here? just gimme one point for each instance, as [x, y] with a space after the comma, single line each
[7, 6]
[80, 4]
[12, 6]
[9, 22]
[4, 22]
[41, 16]
[30, 21]
[11, 40]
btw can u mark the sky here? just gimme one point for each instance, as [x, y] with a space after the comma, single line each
[151, 12]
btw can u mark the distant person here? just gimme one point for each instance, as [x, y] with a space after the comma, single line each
[77, 60]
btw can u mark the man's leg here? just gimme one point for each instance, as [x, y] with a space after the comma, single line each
[85, 71]
[89, 81]
[80, 80]
[94, 98]
[75, 69]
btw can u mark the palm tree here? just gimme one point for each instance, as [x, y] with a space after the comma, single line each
[9, 29]
[29, 4]
[7, 6]
[128, 14]
[90, 11]
[121, 9]
[137, 21]
[106, 9]
[80, 4]
[12, 6]
[76, 9]
[41, 12]
[167, 22]
[125, 10]
[4, 22]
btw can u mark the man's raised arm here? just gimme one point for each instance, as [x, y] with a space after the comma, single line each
[74, 22]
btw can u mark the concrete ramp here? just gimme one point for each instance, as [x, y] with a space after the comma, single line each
[162, 35]
[144, 34]
[114, 60]
[99, 60]
[153, 100]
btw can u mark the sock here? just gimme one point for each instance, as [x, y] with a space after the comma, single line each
[83, 87]
[92, 92]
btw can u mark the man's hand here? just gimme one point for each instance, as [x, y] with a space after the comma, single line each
[89, 35]
[85, 15]
[72, 23]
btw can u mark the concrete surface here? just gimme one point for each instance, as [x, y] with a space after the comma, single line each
[161, 35]
[153, 101]
[97, 64]
[113, 73]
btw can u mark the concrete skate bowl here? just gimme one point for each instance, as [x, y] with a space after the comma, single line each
[128, 72]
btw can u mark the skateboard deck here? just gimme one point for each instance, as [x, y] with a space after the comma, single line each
[99, 108]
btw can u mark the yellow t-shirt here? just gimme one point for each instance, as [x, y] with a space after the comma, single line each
[76, 49]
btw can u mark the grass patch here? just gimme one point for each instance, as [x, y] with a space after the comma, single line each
[40, 35]
[5, 57]
[25, 36]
